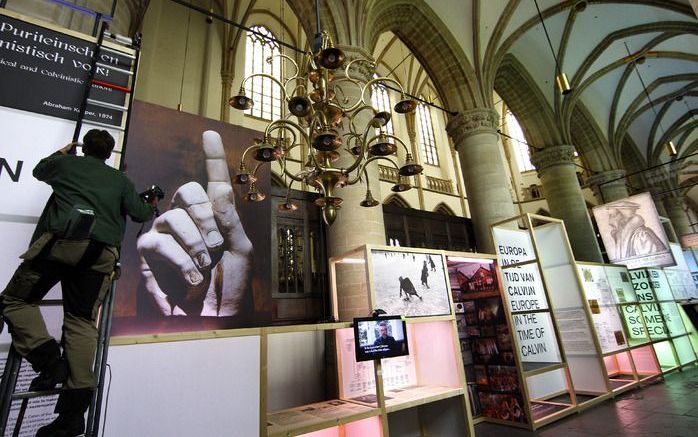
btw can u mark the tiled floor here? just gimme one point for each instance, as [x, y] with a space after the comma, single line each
[667, 409]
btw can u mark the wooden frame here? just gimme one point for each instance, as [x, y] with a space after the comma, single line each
[668, 338]
[535, 260]
[627, 350]
[364, 289]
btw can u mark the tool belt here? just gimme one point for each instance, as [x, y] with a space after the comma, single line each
[85, 253]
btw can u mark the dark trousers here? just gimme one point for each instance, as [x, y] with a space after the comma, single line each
[84, 270]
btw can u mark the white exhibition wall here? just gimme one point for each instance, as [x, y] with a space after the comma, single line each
[185, 388]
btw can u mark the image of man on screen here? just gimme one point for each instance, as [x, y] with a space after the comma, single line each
[384, 339]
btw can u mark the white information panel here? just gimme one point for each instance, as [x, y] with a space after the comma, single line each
[536, 337]
[185, 388]
[602, 306]
[525, 293]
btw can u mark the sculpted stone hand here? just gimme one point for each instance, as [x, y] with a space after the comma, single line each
[197, 258]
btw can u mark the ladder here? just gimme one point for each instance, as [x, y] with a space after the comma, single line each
[94, 85]
[14, 362]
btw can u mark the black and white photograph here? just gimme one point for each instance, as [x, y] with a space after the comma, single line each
[632, 233]
[410, 283]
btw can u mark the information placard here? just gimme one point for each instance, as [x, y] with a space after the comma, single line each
[536, 338]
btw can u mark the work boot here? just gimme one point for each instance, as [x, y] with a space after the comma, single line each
[53, 370]
[65, 425]
[71, 408]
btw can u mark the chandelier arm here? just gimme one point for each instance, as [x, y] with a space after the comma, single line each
[268, 76]
[381, 79]
[293, 134]
[292, 61]
[352, 127]
[365, 164]
[338, 87]
[404, 146]
[300, 131]
[256, 167]
[292, 176]
[278, 124]
[247, 150]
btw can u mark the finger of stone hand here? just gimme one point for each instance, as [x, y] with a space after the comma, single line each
[177, 223]
[193, 199]
[228, 219]
[216, 164]
[151, 284]
[155, 247]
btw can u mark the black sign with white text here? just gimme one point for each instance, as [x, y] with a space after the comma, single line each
[45, 72]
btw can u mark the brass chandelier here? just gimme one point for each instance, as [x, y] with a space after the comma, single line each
[313, 97]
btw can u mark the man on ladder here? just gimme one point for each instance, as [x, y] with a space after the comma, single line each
[77, 243]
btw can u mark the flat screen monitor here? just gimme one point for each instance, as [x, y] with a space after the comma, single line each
[380, 337]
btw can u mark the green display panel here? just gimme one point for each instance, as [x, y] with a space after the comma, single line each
[665, 354]
[684, 350]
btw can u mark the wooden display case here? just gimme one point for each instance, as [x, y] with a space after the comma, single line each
[619, 327]
[485, 335]
[298, 380]
[665, 323]
[533, 260]
[407, 390]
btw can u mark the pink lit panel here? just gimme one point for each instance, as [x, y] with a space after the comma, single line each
[431, 344]
[612, 366]
[329, 432]
[624, 363]
[370, 427]
[645, 360]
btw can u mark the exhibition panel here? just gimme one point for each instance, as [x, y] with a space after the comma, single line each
[300, 398]
[663, 319]
[492, 367]
[550, 383]
[609, 294]
[412, 283]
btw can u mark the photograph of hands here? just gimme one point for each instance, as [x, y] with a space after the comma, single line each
[193, 267]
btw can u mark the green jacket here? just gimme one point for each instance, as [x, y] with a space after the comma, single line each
[89, 182]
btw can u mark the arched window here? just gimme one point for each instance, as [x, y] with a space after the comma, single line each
[261, 57]
[426, 131]
[380, 99]
[518, 142]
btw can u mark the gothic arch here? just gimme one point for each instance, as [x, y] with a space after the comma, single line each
[439, 53]
[444, 209]
[396, 200]
[520, 93]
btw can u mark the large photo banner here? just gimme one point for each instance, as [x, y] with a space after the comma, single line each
[205, 262]
[632, 233]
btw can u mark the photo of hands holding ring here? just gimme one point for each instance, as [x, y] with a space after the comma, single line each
[196, 260]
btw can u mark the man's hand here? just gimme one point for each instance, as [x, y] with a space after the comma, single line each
[196, 259]
[70, 148]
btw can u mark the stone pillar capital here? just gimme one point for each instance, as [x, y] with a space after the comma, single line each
[472, 122]
[552, 156]
[656, 177]
[609, 185]
[615, 177]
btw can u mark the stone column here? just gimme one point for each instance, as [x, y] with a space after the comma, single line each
[226, 93]
[676, 210]
[556, 171]
[658, 200]
[476, 140]
[609, 185]
[356, 225]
